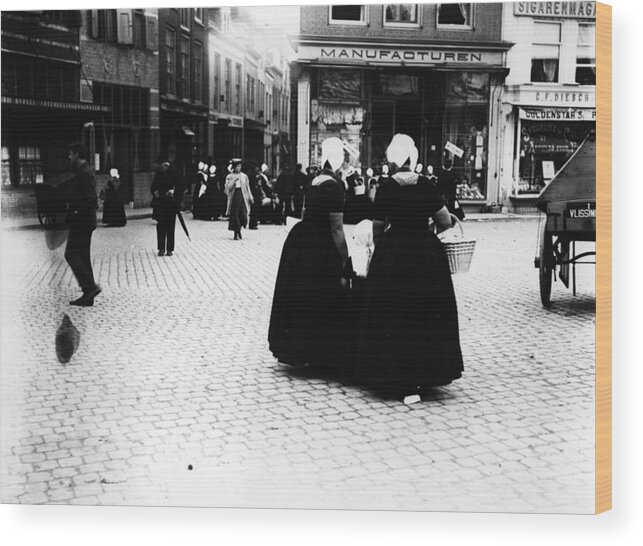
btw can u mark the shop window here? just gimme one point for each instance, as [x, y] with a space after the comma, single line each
[586, 54]
[341, 85]
[348, 15]
[456, 15]
[401, 14]
[29, 165]
[395, 85]
[6, 166]
[198, 72]
[170, 56]
[546, 52]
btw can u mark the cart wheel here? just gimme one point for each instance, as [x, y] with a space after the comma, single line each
[546, 267]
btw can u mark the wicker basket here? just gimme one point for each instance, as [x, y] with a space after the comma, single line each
[460, 252]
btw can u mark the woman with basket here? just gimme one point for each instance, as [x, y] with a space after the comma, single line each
[410, 340]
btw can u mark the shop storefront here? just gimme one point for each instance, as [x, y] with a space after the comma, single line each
[441, 97]
[226, 138]
[549, 125]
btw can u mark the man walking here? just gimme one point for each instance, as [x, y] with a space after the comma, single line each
[80, 195]
[166, 192]
[284, 191]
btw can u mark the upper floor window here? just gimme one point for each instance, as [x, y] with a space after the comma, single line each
[545, 52]
[106, 25]
[586, 54]
[197, 72]
[348, 15]
[216, 74]
[401, 14]
[227, 83]
[184, 17]
[198, 15]
[170, 67]
[237, 90]
[184, 67]
[454, 15]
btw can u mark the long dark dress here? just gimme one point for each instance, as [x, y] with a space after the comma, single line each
[410, 336]
[238, 212]
[310, 320]
[113, 208]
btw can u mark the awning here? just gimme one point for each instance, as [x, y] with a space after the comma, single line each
[187, 131]
[558, 114]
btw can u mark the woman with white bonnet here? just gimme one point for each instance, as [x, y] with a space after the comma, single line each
[113, 208]
[410, 340]
[310, 319]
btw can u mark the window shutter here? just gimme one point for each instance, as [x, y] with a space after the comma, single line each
[124, 26]
[151, 33]
[94, 23]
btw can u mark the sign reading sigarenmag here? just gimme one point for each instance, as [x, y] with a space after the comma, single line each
[572, 10]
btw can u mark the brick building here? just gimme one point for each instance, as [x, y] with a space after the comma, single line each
[42, 109]
[433, 71]
[119, 54]
[184, 93]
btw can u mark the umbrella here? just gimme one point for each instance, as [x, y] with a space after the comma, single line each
[182, 221]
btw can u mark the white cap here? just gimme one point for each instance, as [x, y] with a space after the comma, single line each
[213, 169]
[429, 169]
[384, 169]
[418, 168]
[264, 167]
[114, 173]
[332, 151]
[401, 149]
[205, 167]
[369, 172]
[200, 165]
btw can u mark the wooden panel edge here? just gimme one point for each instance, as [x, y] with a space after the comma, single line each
[603, 453]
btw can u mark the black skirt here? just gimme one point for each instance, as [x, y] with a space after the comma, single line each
[312, 319]
[409, 333]
[238, 212]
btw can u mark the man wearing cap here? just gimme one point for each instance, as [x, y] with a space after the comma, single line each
[80, 194]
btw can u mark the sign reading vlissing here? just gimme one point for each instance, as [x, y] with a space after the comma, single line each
[570, 10]
[399, 56]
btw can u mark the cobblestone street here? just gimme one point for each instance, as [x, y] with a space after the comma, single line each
[173, 397]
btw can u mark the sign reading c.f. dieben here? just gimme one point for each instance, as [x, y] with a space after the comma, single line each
[400, 56]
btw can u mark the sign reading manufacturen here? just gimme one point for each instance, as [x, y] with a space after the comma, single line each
[397, 56]
[571, 10]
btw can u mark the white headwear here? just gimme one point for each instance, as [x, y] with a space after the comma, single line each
[332, 151]
[200, 165]
[429, 169]
[401, 149]
[418, 168]
[358, 170]
[213, 169]
[369, 172]
[205, 167]
[114, 173]
[264, 167]
[384, 169]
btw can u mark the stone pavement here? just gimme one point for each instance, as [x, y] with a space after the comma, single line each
[174, 399]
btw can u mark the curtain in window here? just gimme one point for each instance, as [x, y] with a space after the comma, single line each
[549, 68]
[464, 10]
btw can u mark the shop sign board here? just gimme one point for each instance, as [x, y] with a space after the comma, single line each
[551, 96]
[401, 56]
[558, 114]
[568, 10]
[450, 147]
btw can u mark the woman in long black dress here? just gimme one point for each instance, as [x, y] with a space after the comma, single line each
[113, 207]
[310, 321]
[410, 340]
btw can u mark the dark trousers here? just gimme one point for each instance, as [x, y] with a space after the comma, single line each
[165, 234]
[255, 214]
[78, 257]
[285, 204]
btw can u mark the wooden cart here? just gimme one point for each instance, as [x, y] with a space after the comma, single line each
[569, 203]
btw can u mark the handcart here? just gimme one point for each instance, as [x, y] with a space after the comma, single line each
[569, 203]
[51, 204]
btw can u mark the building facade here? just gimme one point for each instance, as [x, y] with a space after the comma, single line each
[184, 93]
[42, 107]
[432, 71]
[119, 56]
[549, 104]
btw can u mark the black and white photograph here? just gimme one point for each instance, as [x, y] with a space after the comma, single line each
[328, 257]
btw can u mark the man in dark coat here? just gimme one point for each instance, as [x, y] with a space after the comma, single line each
[166, 191]
[284, 191]
[447, 185]
[80, 195]
[299, 188]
